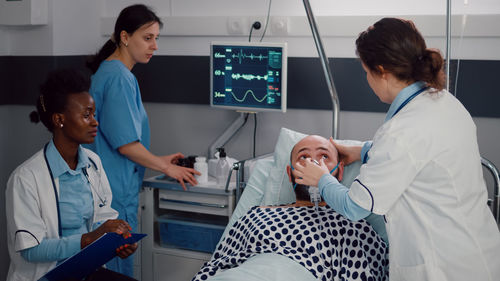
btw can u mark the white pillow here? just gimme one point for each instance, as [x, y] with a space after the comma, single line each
[278, 189]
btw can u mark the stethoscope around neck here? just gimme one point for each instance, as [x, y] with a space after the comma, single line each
[102, 199]
[103, 202]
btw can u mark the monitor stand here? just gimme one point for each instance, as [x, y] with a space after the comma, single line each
[226, 135]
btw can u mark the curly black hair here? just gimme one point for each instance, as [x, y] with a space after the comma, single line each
[54, 94]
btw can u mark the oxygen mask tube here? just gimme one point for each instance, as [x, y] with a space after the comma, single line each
[314, 190]
[314, 196]
[314, 193]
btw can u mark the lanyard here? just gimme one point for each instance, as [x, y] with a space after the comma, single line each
[55, 190]
[102, 204]
[409, 99]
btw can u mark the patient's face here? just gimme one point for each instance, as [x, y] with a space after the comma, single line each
[315, 147]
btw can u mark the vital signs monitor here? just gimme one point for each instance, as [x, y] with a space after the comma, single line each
[248, 76]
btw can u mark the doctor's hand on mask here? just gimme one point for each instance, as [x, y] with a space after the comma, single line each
[309, 173]
[117, 226]
[347, 154]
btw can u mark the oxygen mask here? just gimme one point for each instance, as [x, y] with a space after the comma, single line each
[317, 163]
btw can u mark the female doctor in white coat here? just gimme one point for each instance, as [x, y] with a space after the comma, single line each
[423, 169]
[59, 200]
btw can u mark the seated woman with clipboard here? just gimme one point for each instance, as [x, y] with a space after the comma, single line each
[59, 201]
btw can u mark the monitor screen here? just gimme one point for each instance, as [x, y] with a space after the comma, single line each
[248, 76]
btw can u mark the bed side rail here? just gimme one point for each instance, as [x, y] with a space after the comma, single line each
[239, 167]
[495, 201]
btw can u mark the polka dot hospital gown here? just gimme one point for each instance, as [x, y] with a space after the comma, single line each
[328, 245]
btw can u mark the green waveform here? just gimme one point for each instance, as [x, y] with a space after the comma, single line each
[251, 56]
[246, 93]
[248, 77]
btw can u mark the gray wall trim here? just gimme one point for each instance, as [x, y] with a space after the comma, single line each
[185, 79]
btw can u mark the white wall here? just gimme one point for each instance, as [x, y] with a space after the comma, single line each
[76, 26]
[80, 27]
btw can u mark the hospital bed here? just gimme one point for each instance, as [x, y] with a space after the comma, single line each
[268, 185]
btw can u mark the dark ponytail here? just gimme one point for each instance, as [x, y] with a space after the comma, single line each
[94, 61]
[430, 69]
[397, 46]
[129, 20]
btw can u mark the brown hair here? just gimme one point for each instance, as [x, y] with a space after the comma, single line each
[130, 19]
[397, 46]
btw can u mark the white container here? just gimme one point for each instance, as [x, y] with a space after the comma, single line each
[222, 169]
[212, 165]
[201, 166]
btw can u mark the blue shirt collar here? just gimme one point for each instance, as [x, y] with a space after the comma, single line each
[59, 166]
[402, 96]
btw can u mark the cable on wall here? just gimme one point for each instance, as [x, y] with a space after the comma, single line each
[267, 20]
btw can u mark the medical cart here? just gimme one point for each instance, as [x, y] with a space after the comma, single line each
[183, 227]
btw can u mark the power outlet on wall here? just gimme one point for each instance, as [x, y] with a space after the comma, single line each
[279, 26]
[236, 25]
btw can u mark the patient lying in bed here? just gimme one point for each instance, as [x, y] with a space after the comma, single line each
[328, 245]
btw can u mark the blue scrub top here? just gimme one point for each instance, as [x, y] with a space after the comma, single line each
[122, 120]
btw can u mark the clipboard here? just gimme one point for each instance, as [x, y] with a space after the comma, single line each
[91, 257]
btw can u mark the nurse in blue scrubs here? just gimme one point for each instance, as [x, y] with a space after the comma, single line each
[123, 138]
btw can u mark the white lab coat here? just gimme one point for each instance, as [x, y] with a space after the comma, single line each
[424, 174]
[31, 211]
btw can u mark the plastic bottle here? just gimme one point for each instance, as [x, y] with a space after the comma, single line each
[201, 166]
[222, 169]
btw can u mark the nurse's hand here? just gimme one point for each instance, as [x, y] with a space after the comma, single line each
[348, 154]
[182, 174]
[117, 226]
[309, 173]
[126, 250]
[173, 158]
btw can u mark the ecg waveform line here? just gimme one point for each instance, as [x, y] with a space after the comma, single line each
[249, 77]
[245, 96]
[242, 55]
